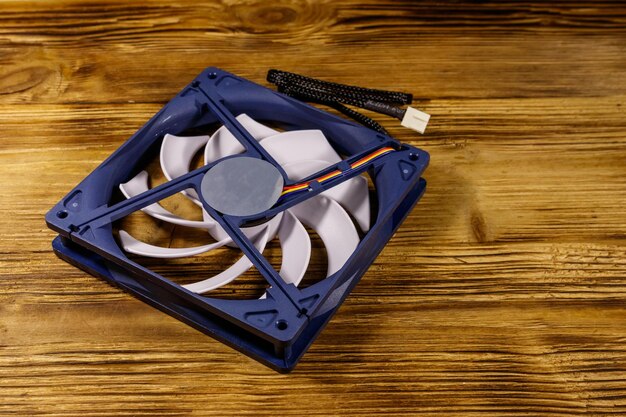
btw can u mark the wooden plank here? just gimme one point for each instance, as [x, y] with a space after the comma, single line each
[502, 294]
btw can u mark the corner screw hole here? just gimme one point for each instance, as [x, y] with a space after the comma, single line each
[281, 325]
[62, 214]
[413, 156]
[212, 76]
[195, 84]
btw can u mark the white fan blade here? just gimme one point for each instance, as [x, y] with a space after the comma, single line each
[218, 233]
[238, 268]
[298, 146]
[352, 194]
[132, 245]
[257, 130]
[177, 152]
[334, 227]
[139, 184]
[223, 143]
[295, 245]
[302, 169]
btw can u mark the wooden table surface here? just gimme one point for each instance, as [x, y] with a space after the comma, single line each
[504, 293]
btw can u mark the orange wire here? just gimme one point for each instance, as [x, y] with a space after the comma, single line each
[364, 160]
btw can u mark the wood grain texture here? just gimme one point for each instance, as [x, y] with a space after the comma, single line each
[503, 294]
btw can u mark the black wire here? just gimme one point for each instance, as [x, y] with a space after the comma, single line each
[317, 98]
[352, 94]
[334, 94]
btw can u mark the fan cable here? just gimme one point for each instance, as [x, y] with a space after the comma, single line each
[337, 95]
[305, 186]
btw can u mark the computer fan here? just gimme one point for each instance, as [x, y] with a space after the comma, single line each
[256, 184]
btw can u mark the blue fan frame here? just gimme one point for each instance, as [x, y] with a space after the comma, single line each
[276, 330]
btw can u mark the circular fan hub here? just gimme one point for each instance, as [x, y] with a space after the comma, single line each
[242, 186]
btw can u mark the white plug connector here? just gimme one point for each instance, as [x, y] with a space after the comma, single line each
[415, 120]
